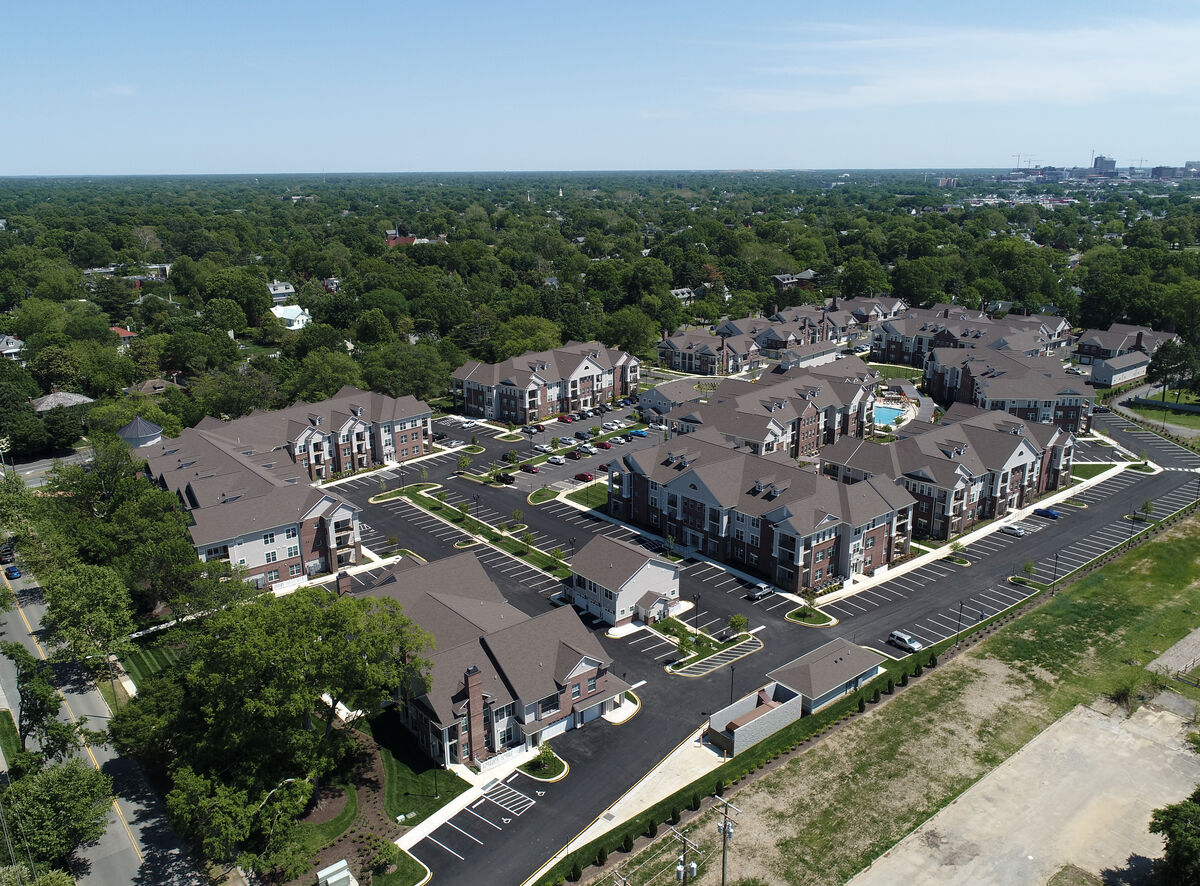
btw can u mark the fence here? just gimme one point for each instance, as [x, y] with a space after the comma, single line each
[1174, 407]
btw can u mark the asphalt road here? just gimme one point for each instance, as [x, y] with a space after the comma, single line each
[607, 760]
[138, 846]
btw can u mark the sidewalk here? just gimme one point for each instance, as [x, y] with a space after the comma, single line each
[1146, 391]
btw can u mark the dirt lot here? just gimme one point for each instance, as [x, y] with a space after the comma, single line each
[1080, 793]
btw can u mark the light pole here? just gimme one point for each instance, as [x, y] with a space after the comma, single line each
[437, 795]
[731, 669]
[958, 630]
[1131, 521]
[696, 618]
[572, 540]
[1055, 570]
[476, 497]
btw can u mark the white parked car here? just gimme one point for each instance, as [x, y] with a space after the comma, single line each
[543, 447]
[1013, 529]
[470, 423]
[610, 426]
[587, 449]
[556, 460]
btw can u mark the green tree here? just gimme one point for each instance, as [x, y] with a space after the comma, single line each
[521, 334]
[38, 701]
[1179, 826]
[58, 809]
[62, 426]
[464, 463]
[738, 623]
[1173, 363]
[89, 614]
[245, 286]
[19, 875]
[224, 315]
[321, 375]
[630, 330]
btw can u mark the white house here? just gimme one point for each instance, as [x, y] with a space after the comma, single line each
[292, 316]
[618, 582]
[1113, 371]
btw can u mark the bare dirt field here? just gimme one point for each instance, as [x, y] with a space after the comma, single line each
[1079, 794]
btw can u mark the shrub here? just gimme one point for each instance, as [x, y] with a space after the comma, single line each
[601, 856]
[652, 828]
[719, 790]
[576, 873]
[917, 671]
[674, 815]
[627, 843]
[695, 801]
[891, 687]
[904, 679]
[933, 659]
[875, 696]
[862, 704]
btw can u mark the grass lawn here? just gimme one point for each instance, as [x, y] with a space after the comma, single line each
[552, 769]
[10, 741]
[544, 493]
[892, 370]
[594, 495]
[1087, 471]
[148, 658]
[410, 774]
[1155, 416]
[313, 837]
[407, 873]
[911, 757]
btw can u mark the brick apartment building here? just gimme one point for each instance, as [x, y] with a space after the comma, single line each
[247, 484]
[1119, 339]
[796, 528]
[906, 339]
[701, 353]
[973, 465]
[540, 384]
[500, 679]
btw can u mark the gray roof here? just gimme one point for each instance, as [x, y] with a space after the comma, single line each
[1125, 361]
[60, 398]
[549, 366]
[610, 563]
[825, 669]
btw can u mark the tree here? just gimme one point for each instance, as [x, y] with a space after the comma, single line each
[245, 286]
[89, 613]
[861, 278]
[464, 463]
[521, 334]
[19, 875]
[1029, 568]
[630, 330]
[62, 426]
[321, 375]
[1148, 508]
[1179, 826]
[58, 809]
[39, 700]
[224, 315]
[738, 623]
[1173, 363]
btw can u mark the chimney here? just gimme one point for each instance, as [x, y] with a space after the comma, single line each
[1138, 342]
[343, 584]
[473, 680]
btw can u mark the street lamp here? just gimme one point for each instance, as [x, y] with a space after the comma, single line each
[731, 669]
[476, 497]
[958, 630]
[572, 540]
[1055, 570]
[696, 619]
[1131, 521]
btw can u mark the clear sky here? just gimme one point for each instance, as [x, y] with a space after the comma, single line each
[114, 86]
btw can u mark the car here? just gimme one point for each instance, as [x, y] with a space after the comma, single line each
[1101, 410]
[543, 447]
[566, 419]
[582, 435]
[556, 460]
[438, 436]
[1013, 529]
[603, 466]
[7, 557]
[584, 477]
[604, 407]
[587, 449]
[625, 401]
[529, 429]
[904, 641]
[638, 432]
[580, 415]
[1048, 513]
[609, 426]
[12, 572]
[603, 444]
[470, 423]
[529, 469]
[760, 591]
[574, 455]
[616, 439]
[624, 438]
[506, 479]
[541, 429]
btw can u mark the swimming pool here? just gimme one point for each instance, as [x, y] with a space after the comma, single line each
[886, 415]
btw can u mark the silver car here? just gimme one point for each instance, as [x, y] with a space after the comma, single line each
[1013, 529]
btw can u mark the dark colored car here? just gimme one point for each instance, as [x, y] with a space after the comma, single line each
[529, 469]
[7, 556]
[541, 429]
[584, 477]
[1048, 513]
[506, 479]
[575, 454]
[582, 435]
[12, 572]
[603, 444]
[438, 435]
[603, 466]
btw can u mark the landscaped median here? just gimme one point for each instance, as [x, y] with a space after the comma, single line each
[810, 616]
[696, 647]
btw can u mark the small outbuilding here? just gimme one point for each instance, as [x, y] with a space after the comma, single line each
[826, 674]
[140, 432]
[1113, 371]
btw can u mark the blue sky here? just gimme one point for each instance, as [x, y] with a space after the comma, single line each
[235, 87]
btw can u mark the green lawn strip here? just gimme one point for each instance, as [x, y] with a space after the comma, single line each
[543, 494]
[957, 724]
[593, 496]
[1155, 415]
[10, 740]
[553, 770]
[408, 873]
[1087, 471]
[891, 370]
[147, 658]
[314, 837]
[807, 615]
[409, 774]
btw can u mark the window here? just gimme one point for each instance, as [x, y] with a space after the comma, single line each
[345, 438]
[273, 575]
[302, 447]
[869, 543]
[291, 532]
[295, 569]
[820, 556]
[817, 575]
[271, 557]
[293, 551]
[268, 538]
[575, 693]
[346, 452]
[591, 684]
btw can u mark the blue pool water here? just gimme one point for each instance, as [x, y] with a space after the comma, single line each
[886, 415]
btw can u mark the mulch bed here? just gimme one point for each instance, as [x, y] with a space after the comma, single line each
[371, 817]
[331, 800]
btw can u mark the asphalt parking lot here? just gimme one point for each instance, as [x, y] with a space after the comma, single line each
[1163, 452]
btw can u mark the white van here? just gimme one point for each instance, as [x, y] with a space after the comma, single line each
[904, 641]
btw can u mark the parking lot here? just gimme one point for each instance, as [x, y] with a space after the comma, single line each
[1160, 451]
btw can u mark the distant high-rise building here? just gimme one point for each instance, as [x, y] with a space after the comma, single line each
[1104, 165]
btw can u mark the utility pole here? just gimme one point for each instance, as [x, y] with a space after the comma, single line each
[958, 630]
[725, 829]
[682, 870]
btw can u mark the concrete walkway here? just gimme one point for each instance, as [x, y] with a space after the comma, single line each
[1146, 391]
[1180, 658]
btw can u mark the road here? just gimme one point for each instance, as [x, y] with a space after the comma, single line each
[138, 845]
[33, 473]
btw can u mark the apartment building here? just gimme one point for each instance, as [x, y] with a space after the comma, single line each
[907, 339]
[973, 465]
[799, 530]
[702, 353]
[1117, 340]
[1036, 389]
[247, 484]
[540, 384]
[499, 679]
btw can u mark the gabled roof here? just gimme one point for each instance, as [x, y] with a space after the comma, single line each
[542, 366]
[611, 563]
[825, 669]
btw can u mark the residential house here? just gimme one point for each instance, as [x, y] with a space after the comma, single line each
[803, 280]
[1120, 338]
[10, 347]
[618, 582]
[1037, 389]
[798, 529]
[702, 353]
[540, 384]
[974, 465]
[1108, 372]
[55, 399]
[124, 335]
[281, 292]
[661, 399]
[292, 317]
[907, 339]
[499, 679]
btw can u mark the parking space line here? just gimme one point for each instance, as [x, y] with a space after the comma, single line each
[447, 848]
[480, 817]
[464, 833]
